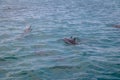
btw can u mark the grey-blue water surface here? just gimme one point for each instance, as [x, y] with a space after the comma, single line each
[42, 55]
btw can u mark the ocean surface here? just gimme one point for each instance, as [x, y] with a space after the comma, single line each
[42, 54]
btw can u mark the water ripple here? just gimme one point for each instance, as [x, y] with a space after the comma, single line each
[42, 54]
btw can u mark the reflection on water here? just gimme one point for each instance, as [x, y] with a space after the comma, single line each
[41, 54]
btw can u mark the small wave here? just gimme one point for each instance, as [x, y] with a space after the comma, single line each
[8, 58]
[2, 59]
[61, 67]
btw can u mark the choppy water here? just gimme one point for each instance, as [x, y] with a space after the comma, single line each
[42, 55]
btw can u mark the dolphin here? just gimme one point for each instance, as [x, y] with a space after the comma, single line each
[71, 40]
[117, 26]
[28, 29]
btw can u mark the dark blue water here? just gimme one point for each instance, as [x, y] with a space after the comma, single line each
[42, 55]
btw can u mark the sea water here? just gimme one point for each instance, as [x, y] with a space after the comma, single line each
[42, 54]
